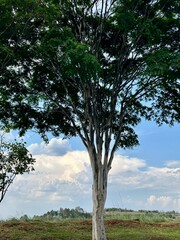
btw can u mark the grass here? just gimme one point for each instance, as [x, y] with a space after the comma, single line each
[144, 216]
[81, 230]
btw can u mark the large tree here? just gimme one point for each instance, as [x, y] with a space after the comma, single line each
[90, 68]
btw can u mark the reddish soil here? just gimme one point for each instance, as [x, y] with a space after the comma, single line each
[135, 223]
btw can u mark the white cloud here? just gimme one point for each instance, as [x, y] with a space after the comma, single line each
[55, 147]
[163, 202]
[172, 164]
[56, 173]
[140, 176]
[66, 180]
[166, 179]
[55, 178]
[123, 164]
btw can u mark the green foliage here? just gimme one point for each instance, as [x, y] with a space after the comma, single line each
[66, 213]
[67, 66]
[77, 60]
[14, 159]
[24, 218]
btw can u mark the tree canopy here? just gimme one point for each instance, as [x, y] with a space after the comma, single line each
[74, 66]
[14, 160]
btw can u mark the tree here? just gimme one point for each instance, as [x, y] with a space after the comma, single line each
[93, 69]
[14, 160]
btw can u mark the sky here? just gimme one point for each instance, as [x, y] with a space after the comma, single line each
[146, 177]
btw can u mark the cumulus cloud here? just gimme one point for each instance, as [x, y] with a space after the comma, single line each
[133, 173]
[64, 167]
[123, 164]
[173, 164]
[166, 179]
[163, 202]
[55, 174]
[63, 178]
[55, 147]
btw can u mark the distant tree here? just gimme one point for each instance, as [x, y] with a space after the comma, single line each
[24, 218]
[64, 213]
[14, 160]
[79, 209]
[90, 68]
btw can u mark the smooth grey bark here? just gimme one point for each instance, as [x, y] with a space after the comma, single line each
[99, 193]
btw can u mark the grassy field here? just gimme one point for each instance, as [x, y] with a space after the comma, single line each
[81, 230]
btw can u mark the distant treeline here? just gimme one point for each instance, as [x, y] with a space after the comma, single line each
[64, 213]
[79, 213]
[140, 211]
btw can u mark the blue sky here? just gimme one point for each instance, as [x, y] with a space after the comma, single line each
[147, 177]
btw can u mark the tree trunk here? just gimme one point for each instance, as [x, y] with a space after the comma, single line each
[99, 192]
